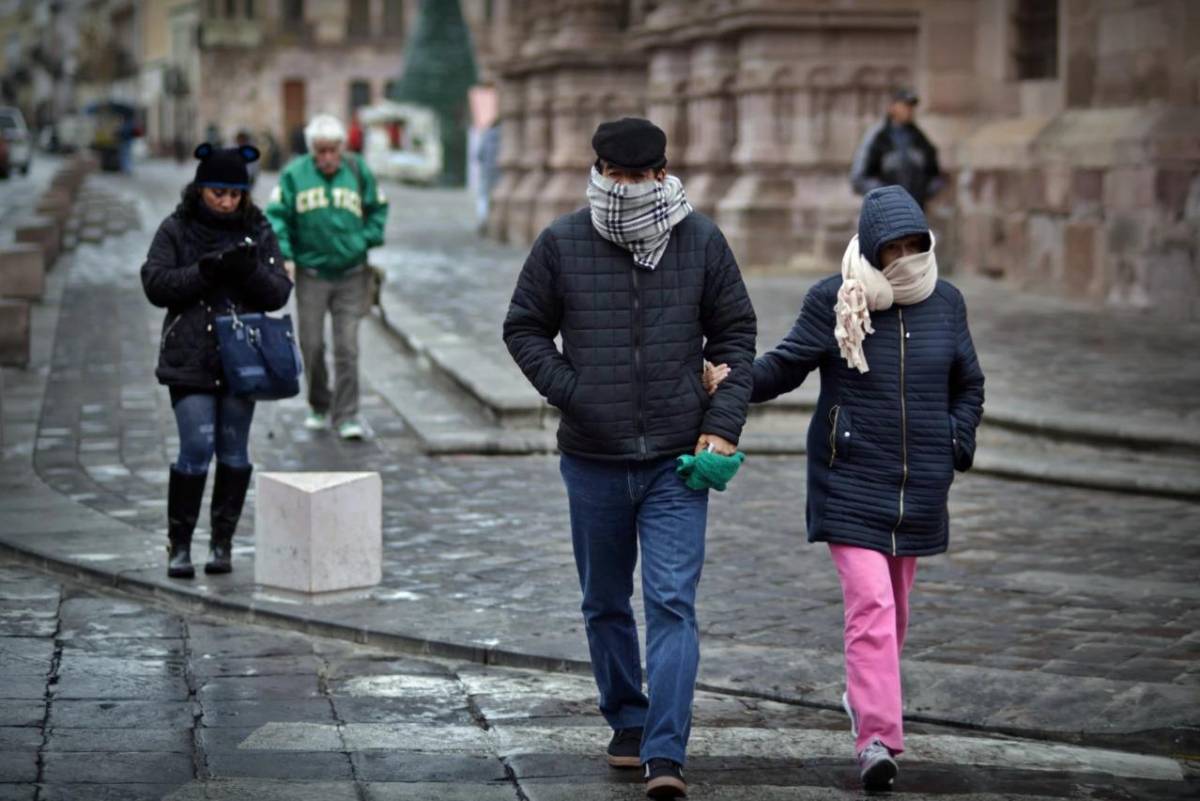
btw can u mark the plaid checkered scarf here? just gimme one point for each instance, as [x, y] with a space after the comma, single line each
[638, 217]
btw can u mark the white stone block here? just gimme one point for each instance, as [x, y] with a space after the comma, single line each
[318, 532]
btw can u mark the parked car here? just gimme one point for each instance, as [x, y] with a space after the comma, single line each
[16, 134]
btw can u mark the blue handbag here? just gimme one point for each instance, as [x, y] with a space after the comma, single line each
[259, 355]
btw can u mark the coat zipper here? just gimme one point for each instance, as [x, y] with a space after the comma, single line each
[637, 363]
[903, 432]
[834, 412]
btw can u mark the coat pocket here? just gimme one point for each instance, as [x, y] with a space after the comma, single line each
[840, 434]
[162, 344]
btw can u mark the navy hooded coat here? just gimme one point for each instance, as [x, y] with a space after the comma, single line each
[883, 445]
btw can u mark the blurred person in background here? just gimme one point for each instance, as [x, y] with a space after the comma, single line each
[328, 211]
[896, 152]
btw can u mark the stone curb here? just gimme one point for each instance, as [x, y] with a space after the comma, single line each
[308, 620]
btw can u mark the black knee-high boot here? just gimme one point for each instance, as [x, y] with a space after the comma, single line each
[229, 493]
[185, 493]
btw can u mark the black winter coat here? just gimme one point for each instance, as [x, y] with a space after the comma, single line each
[883, 445]
[188, 357]
[634, 340]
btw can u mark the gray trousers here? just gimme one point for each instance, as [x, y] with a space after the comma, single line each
[345, 299]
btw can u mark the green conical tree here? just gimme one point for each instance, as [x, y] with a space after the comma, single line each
[439, 68]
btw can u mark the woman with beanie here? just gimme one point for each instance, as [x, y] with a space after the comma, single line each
[214, 253]
[901, 397]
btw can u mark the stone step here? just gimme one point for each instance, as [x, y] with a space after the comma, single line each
[486, 372]
[463, 396]
[445, 418]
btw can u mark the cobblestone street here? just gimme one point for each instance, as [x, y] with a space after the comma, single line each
[1064, 613]
[109, 698]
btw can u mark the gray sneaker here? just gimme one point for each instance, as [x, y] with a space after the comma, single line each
[876, 767]
[850, 714]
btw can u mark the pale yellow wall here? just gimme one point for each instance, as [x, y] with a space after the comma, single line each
[156, 40]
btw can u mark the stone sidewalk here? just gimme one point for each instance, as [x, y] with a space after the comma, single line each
[107, 697]
[1058, 612]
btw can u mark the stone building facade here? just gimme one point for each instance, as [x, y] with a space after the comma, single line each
[271, 65]
[1070, 129]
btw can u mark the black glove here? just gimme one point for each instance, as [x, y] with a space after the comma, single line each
[241, 261]
[212, 268]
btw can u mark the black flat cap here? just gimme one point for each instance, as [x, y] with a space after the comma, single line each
[631, 143]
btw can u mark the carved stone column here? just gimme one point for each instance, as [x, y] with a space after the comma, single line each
[756, 212]
[711, 115]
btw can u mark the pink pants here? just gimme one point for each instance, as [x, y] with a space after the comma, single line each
[875, 590]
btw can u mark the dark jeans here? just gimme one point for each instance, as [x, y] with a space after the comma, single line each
[615, 506]
[211, 424]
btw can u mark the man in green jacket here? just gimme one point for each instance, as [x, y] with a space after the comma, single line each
[327, 211]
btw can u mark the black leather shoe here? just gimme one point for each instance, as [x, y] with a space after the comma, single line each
[664, 779]
[625, 748]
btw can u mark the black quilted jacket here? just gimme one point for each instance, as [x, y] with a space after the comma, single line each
[188, 356]
[883, 445]
[633, 340]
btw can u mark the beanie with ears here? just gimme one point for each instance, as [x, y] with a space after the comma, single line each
[224, 168]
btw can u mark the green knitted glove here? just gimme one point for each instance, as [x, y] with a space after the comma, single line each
[709, 470]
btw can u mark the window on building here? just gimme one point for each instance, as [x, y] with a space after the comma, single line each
[250, 10]
[1035, 38]
[358, 19]
[389, 89]
[360, 95]
[393, 17]
[230, 9]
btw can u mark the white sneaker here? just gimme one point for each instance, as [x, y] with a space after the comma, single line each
[352, 429]
[876, 767]
[315, 421]
[850, 714]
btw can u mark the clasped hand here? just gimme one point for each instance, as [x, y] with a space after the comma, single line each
[233, 265]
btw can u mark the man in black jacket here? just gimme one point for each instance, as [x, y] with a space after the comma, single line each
[897, 152]
[642, 290]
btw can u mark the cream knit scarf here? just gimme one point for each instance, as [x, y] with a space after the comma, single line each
[865, 289]
[638, 217]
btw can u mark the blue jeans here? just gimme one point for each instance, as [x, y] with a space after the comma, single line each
[614, 507]
[211, 424]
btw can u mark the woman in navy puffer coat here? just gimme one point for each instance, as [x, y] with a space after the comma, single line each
[901, 398]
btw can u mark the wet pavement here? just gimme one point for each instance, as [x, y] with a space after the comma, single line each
[1063, 612]
[108, 697]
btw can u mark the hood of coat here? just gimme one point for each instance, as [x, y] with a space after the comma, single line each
[888, 213]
